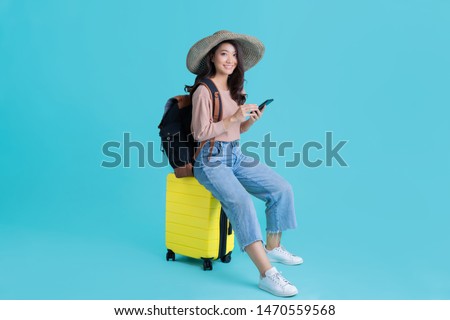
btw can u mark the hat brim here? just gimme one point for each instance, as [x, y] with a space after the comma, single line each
[252, 50]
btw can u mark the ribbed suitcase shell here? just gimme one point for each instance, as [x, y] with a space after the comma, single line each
[193, 220]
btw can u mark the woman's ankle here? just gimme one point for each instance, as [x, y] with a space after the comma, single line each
[273, 240]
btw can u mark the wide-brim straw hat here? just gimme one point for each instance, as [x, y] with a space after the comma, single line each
[252, 50]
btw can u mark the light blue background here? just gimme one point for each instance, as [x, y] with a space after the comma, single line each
[76, 74]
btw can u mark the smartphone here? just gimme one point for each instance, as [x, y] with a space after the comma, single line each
[265, 103]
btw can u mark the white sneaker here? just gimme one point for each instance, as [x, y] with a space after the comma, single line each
[276, 284]
[280, 254]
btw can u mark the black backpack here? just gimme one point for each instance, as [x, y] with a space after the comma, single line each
[177, 141]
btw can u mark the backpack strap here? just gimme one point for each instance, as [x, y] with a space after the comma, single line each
[216, 111]
[217, 101]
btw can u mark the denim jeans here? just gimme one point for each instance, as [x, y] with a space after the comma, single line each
[231, 177]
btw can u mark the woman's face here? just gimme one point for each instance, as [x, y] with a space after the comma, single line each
[225, 59]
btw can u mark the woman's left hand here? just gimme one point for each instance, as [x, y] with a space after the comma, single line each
[255, 115]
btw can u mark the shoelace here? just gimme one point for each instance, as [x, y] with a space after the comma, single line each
[278, 278]
[285, 252]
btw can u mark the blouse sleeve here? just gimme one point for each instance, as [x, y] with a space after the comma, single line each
[202, 125]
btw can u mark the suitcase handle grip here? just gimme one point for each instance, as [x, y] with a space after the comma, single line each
[230, 228]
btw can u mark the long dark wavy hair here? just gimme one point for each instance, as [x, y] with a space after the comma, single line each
[235, 80]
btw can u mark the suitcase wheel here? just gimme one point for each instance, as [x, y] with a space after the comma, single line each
[170, 255]
[207, 264]
[226, 258]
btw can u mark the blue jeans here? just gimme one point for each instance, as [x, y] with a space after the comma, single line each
[231, 177]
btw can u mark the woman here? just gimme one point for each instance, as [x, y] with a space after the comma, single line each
[228, 174]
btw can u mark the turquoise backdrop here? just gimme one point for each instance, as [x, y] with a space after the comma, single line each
[75, 75]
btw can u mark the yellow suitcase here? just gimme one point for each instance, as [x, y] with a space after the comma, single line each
[196, 225]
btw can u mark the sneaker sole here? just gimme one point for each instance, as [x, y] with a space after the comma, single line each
[286, 263]
[284, 295]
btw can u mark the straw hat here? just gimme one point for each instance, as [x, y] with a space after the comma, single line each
[252, 50]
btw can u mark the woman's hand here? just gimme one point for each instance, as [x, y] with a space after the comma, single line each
[240, 116]
[254, 116]
[243, 112]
